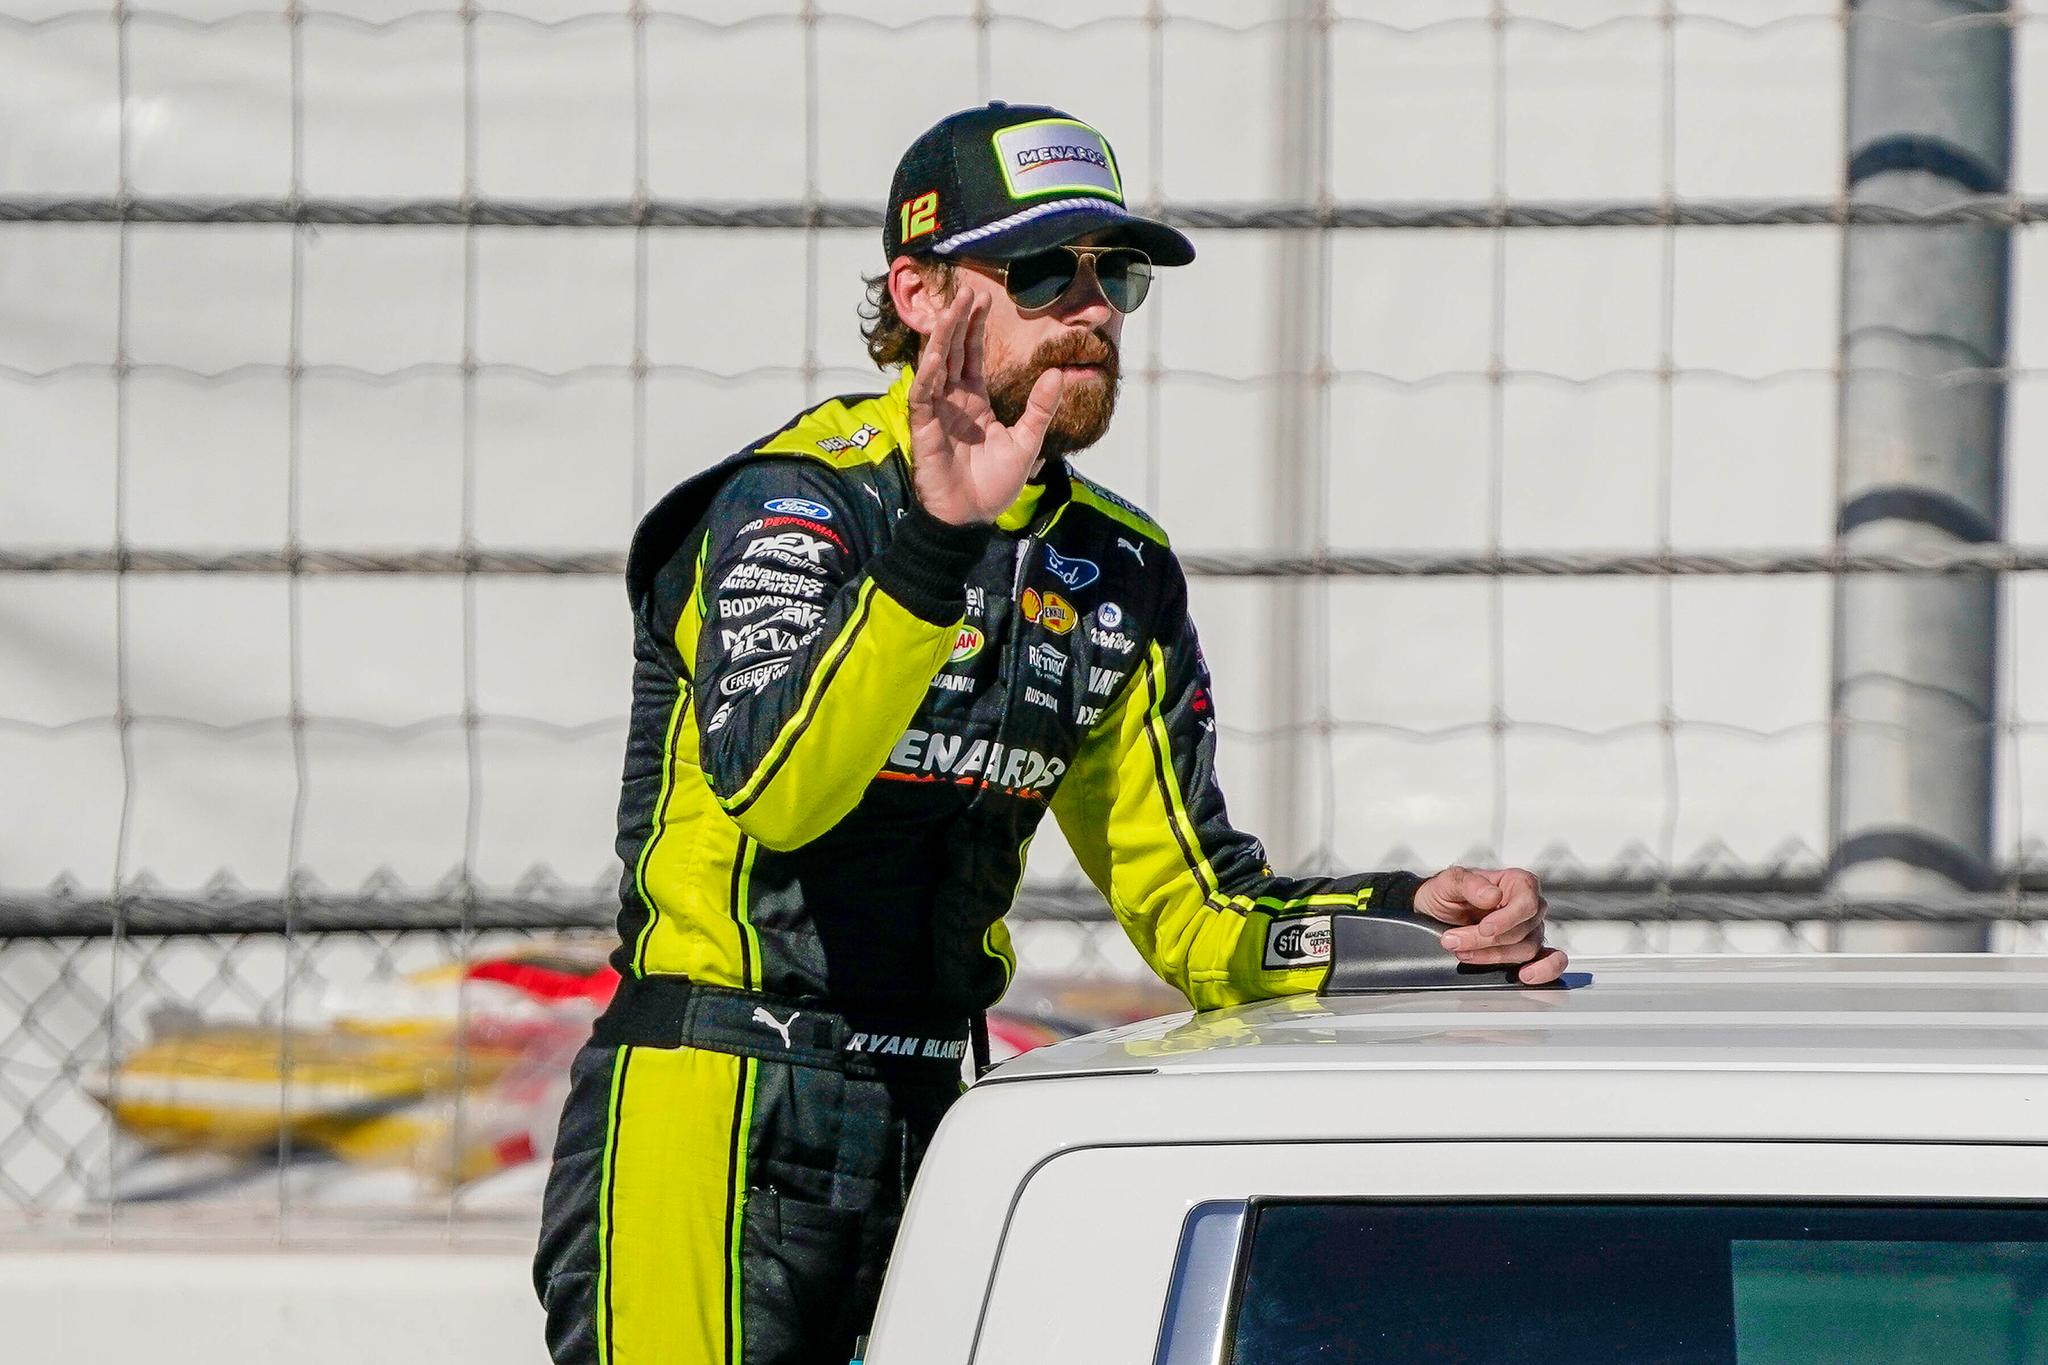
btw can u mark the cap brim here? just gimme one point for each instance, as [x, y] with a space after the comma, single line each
[1062, 223]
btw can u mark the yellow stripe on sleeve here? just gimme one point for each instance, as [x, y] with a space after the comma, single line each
[862, 695]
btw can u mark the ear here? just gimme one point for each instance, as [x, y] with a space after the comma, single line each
[913, 289]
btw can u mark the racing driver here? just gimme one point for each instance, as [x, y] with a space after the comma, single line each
[872, 651]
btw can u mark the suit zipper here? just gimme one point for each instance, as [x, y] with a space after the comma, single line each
[1012, 664]
[1009, 664]
[1008, 667]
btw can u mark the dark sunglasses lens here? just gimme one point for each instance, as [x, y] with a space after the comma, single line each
[1126, 277]
[1038, 281]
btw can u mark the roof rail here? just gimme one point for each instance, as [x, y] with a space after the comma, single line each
[1379, 950]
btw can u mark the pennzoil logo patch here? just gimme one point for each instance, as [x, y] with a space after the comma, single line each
[1050, 610]
[1297, 942]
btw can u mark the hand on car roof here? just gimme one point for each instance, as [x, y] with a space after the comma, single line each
[1498, 914]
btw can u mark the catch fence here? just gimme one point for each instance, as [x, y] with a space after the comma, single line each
[1503, 469]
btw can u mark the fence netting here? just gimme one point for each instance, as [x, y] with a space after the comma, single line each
[348, 341]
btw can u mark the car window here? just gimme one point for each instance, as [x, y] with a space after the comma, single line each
[1366, 1281]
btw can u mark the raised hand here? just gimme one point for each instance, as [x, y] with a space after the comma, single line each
[966, 465]
[1499, 913]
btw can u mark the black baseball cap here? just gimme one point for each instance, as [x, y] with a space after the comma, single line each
[1009, 180]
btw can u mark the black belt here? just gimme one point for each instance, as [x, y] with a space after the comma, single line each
[672, 1011]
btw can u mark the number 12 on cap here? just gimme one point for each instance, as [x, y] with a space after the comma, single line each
[920, 215]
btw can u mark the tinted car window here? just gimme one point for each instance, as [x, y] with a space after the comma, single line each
[1359, 1281]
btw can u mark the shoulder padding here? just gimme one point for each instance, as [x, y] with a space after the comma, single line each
[849, 431]
[667, 526]
[1093, 495]
[846, 433]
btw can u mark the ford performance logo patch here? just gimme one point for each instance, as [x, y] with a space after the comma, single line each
[1075, 573]
[799, 507]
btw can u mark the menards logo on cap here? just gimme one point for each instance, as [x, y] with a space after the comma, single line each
[1056, 156]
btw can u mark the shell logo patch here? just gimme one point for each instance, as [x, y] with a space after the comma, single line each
[1050, 610]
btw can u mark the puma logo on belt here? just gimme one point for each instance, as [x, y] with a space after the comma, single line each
[781, 1026]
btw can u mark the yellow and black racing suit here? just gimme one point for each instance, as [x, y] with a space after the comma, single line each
[849, 720]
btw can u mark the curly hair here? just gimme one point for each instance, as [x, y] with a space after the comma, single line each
[891, 340]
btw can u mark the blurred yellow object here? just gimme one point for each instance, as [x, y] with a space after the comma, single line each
[239, 1088]
[453, 1072]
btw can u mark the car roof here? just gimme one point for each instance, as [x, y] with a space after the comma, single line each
[1956, 1012]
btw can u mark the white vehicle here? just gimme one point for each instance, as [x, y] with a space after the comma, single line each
[1754, 1160]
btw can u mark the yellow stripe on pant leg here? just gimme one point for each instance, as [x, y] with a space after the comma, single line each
[601, 1301]
[678, 1172]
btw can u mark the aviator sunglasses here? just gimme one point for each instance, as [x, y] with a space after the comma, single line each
[1122, 273]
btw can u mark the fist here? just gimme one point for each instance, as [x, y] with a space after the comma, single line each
[1498, 914]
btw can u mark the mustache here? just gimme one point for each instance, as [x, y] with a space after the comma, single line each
[1077, 348]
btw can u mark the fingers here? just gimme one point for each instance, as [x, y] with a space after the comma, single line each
[1490, 906]
[1536, 962]
[1038, 410]
[1497, 918]
[935, 363]
[1470, 888]
[956, 349]
[925, 386]
[1457, 895]
[1545, 969]
[1520, 908]
[1506, 952]
[971, 373]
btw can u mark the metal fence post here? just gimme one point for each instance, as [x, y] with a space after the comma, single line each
[1300, 298]
[1922, 433]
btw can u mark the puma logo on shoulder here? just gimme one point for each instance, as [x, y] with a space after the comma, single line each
[1137, 550]
[781, 1026]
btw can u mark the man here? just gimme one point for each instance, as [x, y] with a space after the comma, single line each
[873, 650]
